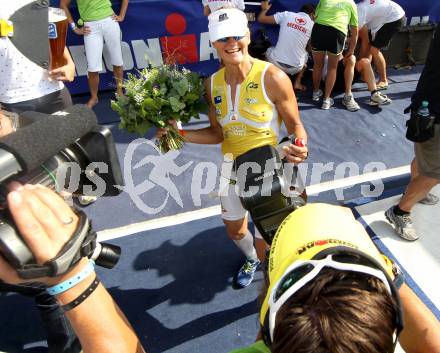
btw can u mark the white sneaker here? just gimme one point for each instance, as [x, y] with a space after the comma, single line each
[327, 103]
[378, 98]
[317, 95]
[402, 224]
[349, 103]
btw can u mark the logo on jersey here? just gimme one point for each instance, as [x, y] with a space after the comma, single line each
[251, 101]
[251, 85]
[301, 21]
[217, 99]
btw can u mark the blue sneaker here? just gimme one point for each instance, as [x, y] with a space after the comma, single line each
[246, 273]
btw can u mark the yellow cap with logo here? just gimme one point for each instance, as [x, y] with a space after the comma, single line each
[310, 230]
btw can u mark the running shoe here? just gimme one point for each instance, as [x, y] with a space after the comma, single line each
[430, 199]
[349, 103]
[327, 103]
[402, 224]
[317, 95]
[378, 98]
[246, 273]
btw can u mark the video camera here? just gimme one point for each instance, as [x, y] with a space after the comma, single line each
[272, 189]
[55, 150]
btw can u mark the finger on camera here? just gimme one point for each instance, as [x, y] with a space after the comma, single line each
[28, 226]
[14, 185]
[44, 214]
[62, 211]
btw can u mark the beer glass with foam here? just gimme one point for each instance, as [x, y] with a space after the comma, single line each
[57, 36]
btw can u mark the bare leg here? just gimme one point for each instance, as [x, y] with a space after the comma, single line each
[414, 169]
[365, 43]
[118, 72]
[364, 67]
[297, 84]
[331, 74]
[416, 190]
[380, 64]
[318, 64]
[93, 78]
[238, 232]
[349, 64]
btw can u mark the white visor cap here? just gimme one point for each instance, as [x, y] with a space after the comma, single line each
[229, 22]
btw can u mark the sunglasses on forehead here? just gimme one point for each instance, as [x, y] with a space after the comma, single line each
[225, 39]
[300, 273]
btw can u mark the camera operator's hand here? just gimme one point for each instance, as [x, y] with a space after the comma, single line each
[44, 221]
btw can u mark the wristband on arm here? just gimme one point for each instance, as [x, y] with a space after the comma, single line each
[83, 296]
[72, 281]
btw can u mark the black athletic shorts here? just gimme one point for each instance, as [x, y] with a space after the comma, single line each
[328, 39]
[386, 33]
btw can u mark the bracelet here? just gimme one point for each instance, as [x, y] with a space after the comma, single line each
[83, 296]
[72, 281]
[73, 26]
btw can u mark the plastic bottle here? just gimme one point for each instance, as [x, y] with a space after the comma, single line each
[423, 110]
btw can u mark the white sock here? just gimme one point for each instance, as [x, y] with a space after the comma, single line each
[246, 245]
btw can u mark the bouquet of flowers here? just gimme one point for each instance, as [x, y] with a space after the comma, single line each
[156, 95]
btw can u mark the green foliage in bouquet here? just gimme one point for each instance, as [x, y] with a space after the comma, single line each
[156, 95]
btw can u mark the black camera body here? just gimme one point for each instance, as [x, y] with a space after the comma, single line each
[93, 156]
[268, 191]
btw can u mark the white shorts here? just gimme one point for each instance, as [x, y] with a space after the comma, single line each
[288, 69]
[108, 32]
[232, 209]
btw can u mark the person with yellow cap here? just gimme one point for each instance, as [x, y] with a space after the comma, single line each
[331, 290]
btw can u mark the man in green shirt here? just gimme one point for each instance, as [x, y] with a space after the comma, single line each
[332, 19]
[101, 27]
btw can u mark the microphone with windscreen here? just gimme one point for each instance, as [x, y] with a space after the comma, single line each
[59, 150]
[67, 141]
[33, 144]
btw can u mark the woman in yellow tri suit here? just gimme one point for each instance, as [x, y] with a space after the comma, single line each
[248, 100]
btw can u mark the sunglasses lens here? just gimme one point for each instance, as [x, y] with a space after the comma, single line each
[225, 39]
[291, 278]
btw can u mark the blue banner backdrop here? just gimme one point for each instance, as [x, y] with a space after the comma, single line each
[155, 30]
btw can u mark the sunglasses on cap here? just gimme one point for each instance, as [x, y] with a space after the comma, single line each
[225, 39]
[297, 275]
